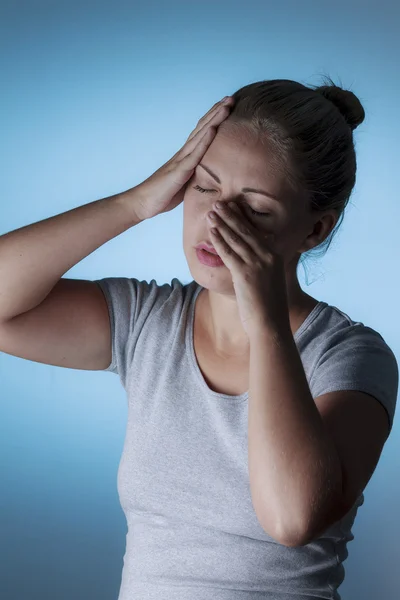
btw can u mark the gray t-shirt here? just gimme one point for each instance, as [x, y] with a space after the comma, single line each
[183, 477]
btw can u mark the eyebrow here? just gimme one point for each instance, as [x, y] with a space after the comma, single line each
[245, 189]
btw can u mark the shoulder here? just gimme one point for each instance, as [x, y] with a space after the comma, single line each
[349, 355]
[333, 327]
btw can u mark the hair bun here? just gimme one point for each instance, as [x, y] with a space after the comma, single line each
[347, 102]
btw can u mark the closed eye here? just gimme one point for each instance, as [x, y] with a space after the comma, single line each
[254, 212]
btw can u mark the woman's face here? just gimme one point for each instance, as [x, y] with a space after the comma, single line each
[240, 161]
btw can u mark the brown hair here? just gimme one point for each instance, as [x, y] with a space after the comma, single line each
[310, 132]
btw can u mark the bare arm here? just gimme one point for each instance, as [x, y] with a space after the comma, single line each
[50, 319]
[65, 322]
[35, 257]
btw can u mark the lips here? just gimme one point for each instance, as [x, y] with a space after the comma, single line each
[209, 248]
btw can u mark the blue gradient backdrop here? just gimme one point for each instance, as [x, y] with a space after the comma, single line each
[93, 100]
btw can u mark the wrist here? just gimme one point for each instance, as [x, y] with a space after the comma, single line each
[271, 329]
[132, 202]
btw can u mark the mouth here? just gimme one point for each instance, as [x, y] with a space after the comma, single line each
[208, 247]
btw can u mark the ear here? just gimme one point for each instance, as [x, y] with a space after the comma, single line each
[321, 227]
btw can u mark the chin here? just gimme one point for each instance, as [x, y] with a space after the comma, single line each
[217, 279]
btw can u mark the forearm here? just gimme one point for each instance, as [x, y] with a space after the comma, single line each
[294, 468]
[33, 258]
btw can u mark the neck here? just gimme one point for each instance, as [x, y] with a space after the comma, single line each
[221, 322]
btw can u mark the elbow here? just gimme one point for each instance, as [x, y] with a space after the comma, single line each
[296, 541]
[305, 523]
[294, 536]
[294, 533]
[293, 540]
[290, 536]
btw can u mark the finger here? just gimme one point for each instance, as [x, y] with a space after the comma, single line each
[232, 214]
[215, 120]
[191, 160]
[203, 136]
[239, 231]
[212, 110]
[220, 113]
[209, 116]
[231, 252]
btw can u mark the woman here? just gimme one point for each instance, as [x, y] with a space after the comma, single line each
[257, 413]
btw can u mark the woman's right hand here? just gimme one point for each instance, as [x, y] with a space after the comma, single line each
[165, 189]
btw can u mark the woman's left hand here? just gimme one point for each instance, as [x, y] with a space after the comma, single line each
[258, 271]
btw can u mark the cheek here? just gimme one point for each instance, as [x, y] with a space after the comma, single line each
[189, 204]
[286, 236]
[193, 204]
[192, 212]
[292, 240]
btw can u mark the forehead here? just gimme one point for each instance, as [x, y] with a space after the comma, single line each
[240, 156]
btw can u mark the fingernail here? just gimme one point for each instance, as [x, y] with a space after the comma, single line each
[226, 99]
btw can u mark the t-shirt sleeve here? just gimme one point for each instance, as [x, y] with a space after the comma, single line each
[358, 358]
[128, 300]
[131, 303]
[121, 296]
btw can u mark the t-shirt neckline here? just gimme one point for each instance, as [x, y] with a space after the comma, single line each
[192, 356]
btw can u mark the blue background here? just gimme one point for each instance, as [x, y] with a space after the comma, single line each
[96, 98]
